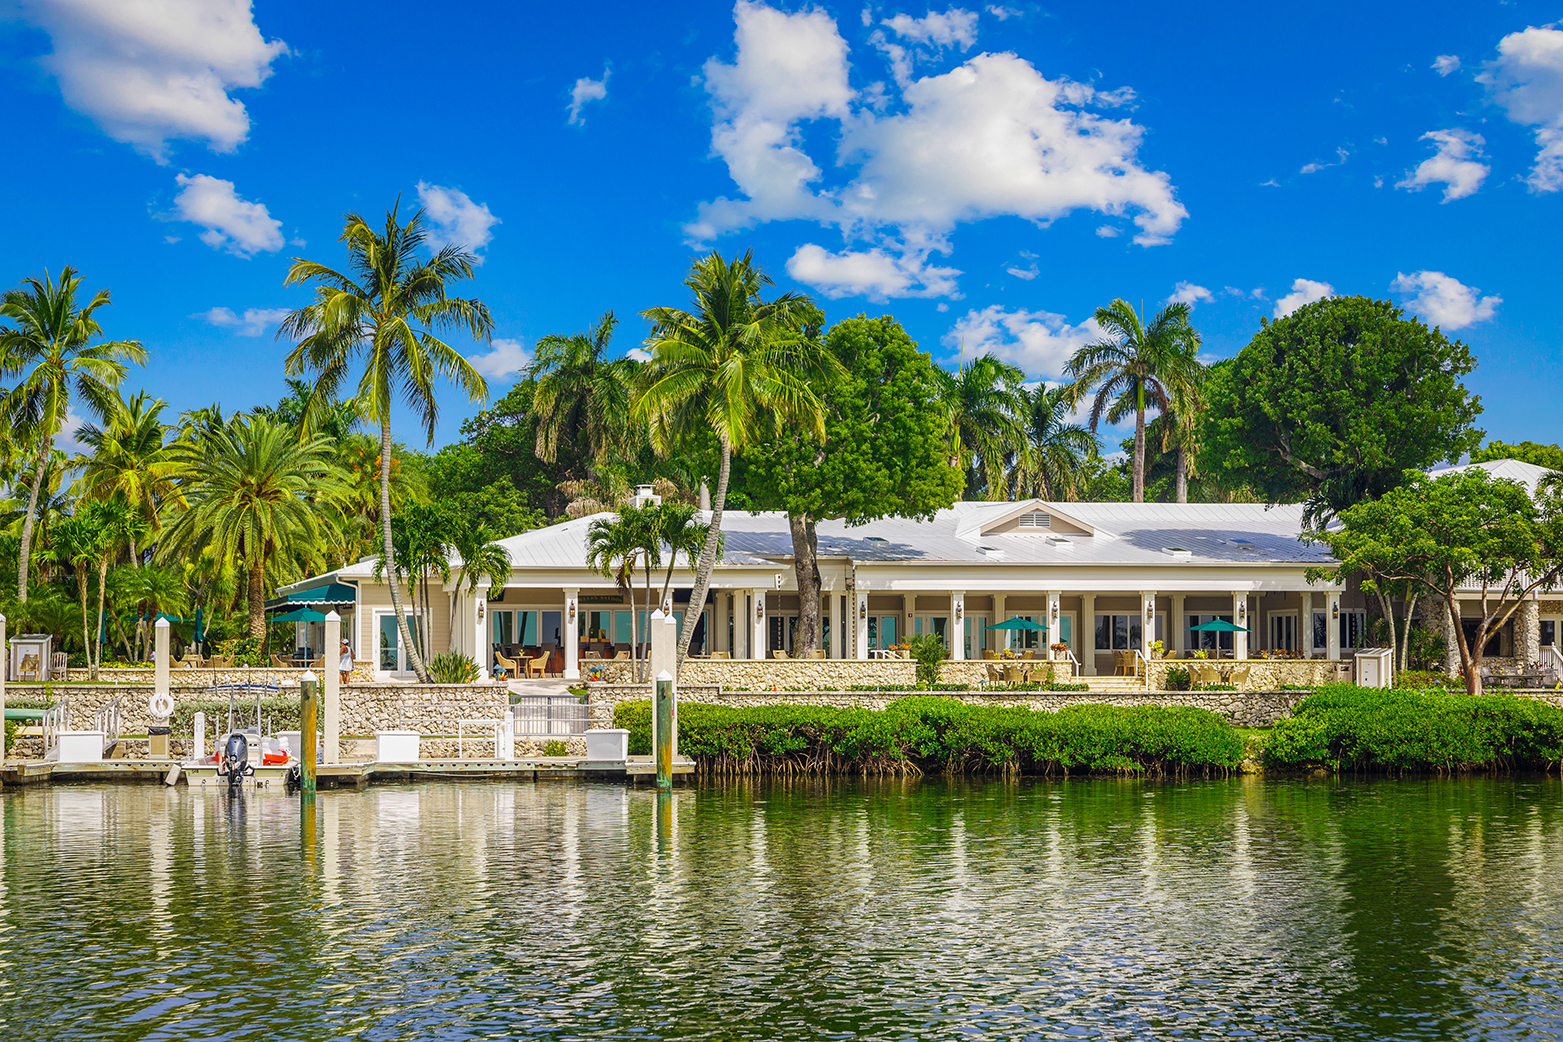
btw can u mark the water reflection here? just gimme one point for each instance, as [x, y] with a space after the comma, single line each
[926, 909]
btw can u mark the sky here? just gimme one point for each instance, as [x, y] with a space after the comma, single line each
[988, 174]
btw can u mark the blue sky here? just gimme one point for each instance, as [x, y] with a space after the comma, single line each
[989, 174]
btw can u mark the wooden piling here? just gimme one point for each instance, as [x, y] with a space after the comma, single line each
[308, 713]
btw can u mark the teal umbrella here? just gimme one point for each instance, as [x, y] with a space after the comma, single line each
[1019, 624]
[1219, 626]
[300, 615]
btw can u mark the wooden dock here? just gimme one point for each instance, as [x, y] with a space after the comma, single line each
[337, 775]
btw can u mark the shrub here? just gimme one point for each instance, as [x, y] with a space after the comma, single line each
[1416, 679]
[1425, 649]
[244, 651]
[1343, 727]
[453, 667]
[1179, 678]
[928, 650]
[927, 733]
[10, 734]
[555, 747]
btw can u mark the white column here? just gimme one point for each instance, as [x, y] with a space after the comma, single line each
[998, 617]
[160, 653]
[332, 704]
[757, 623]
[1241, 617]
[958, 624]
[860, 615]
[719, 616]
[482, 653]
[572, 639]
[1147, 621]
[1051, 620]
[833, 649]
[1175, 638]
[1088, 634]
[5, 669]
[908, 614]
[1332, 625]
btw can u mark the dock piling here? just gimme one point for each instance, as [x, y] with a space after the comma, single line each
[308, 738]
[665, 737]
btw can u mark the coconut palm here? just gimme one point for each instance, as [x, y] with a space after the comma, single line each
[129, 458]
[718, 369]
[614, 546]
[986, 402]
[421, 539]
[55, 346]
[482, 557]
[1052, 465]
[255, 495]
[385, 315]
[78, 540]
[1136, 367]
[582, 397]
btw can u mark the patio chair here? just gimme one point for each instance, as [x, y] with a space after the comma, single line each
[507, 664]
[277, 662]
[1207, 674]
[30, 667]
[1013, 675]
[622, 655]
[219, 662]
[995, 672]
[1240, 676]
[535, 667]
[722, 654]
[779, 653]
[58, 664]
[817, 653]
[990, 655]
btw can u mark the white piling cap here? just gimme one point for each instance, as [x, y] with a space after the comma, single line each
[307, 678]
[664, 676]
[332, 616]
[657, 614]
[162, 624]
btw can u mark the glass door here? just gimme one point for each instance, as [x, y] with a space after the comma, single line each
[392, 656]
[1283, 632]
[978, 639]
[881, 632]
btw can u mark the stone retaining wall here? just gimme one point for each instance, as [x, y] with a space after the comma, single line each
[1263, 674]
[363, 672]
[836, 674]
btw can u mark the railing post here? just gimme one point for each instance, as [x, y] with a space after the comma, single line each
[308, 715]
[664, 718]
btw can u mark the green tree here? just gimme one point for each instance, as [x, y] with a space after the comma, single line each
[385, 316]
[255, 495]
[130, 458]
[1454, 536]
[718, 370]
[79, 541]
[615, 546]
[985, 401]
[1136, 367]
[1549, 456]
[55, 347]
[582, 398]
[886, 450]
[1053, 465]
[1335, 402]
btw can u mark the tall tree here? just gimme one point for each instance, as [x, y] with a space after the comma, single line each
[717, 370]
[985, 401]
[256, 495]
[582, 396]
[1335, 402]
[1135, 367]
[130, 458]
[615, 546]
[1052, 465]
[886, 450]
[55, 346]
[385, 315]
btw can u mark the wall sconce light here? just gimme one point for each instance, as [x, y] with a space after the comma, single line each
[960, 612]
[1335, 609]
[862, 609]
[1242, 609]
[759, 608]
[1055, 611]
[572, 611]
[480, 611]
[1150, 606]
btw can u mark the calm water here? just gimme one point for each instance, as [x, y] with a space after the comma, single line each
[923, 910]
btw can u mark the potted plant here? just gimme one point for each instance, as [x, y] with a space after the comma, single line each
[1059, 647]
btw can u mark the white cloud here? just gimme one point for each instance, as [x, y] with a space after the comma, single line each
[1107, 231]
[1454, 165]
[953, 27]
[992, 137]
[1444, 64]
[253, 322]
[1443, 300]
[457, 219]
[231, 223]
[1188, 293]
[1527, 80]
[65, 437]
[586, 89]
[1304, 291]
[1313, 168]
[1038, 342]
[504, 360]
[153, 70]
[873, 273]
[1003, 14]
[1023, 273]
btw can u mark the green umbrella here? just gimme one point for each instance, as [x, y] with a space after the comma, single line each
[301, 615]
[1019, 624]
[1219, 626]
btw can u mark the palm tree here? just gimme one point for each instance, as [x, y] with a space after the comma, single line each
[985, 401]
[52, 348]
[389, 309]
[1051, 467]
[718, 369]
[255, 493]
[421, 538]
[614, 547]
[130, 459]
[78, 540]
[1136, 367]
[582, 398]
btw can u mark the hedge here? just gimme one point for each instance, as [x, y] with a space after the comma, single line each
[930, 734]
[1347, 728]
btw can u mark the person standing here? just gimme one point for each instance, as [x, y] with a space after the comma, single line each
[345, 661]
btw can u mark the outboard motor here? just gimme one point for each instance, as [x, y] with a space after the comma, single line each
[234, 761]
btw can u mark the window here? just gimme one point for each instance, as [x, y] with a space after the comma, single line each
[1035, 519]
[392, 656]
[1205, 640]
[1549, 632]
[1118, 632]
[1352, 627]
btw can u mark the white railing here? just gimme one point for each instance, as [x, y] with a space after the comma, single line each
[1552, 662]
[550, 715]
[1142, 668]
[55, 719]
[107, 721]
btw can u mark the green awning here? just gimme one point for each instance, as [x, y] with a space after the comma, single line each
[300, 615]
[333, 594]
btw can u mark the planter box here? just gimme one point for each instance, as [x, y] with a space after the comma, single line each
[396, 746]
[607, 744]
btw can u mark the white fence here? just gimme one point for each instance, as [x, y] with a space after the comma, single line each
[549, 715]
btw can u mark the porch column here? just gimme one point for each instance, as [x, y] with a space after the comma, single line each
[482, 652]
[1240, 618]
[572, 640]
[998, 617]
[1054, 628]
[740, 624]
[908, 604]
[1332, 625]
[833, 649]
[718, 641]
[1088, 634]
[1175, 639]
[1527, 632]
[860, 620]
[1147, 622]
[958, 624]
[757, 623]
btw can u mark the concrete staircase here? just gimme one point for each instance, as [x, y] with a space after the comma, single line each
[1119, 685]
